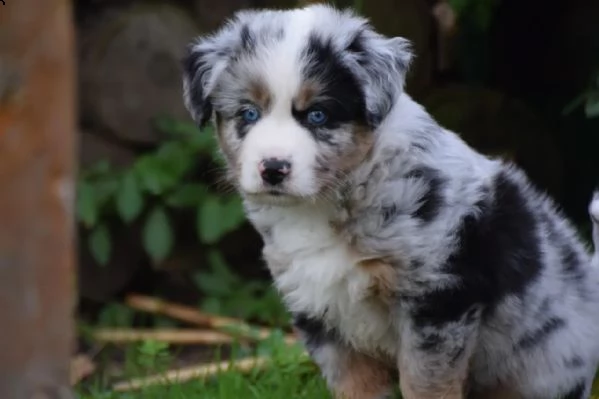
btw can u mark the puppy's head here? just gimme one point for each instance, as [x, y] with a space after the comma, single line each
[297, 96]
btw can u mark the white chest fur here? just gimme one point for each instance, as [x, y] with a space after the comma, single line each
[316, 273]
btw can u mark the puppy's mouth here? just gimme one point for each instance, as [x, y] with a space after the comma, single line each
[274, 196]
[276, 193]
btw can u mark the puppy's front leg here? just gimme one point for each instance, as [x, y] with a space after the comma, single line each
[435, 352]
[349, 374]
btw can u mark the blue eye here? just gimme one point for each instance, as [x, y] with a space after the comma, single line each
[317, 117]
[251, 114]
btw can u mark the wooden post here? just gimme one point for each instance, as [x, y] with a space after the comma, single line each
[37, 165]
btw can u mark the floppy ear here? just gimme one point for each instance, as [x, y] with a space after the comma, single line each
[204, 61]
[381, 64]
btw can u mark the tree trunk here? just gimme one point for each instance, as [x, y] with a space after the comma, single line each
[37, 162]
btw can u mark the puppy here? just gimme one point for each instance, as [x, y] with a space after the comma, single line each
[397, 248]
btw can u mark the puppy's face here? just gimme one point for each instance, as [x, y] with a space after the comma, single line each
[297, 97]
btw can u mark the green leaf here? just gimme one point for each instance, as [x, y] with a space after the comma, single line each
[483, 15]
[219, 266]
[172, 126]
[358, 5]
[153, 176]
[99, 168]
[458, 5]
[209, 221]
[129, 199]
[165, 124]
[116, 314]
[176, 159]
[212, 305]
[152, 348]
[572, 105]
[105, 189]
[187, 195]
[211, 285]
[87, 209]
[233, 214]
[592, 105]
[157, 235]
[100, 245]
[205, 142]
[215, 218]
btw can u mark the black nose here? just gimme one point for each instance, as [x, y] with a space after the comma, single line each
[274, 171]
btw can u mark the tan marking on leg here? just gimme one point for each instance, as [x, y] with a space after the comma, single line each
[452, 390]
[363, 378]
[451, 386]
[384, 279]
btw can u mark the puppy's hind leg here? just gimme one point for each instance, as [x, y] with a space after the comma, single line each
[435, 353]
[349, 374]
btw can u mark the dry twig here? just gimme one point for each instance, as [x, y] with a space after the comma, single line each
[190, 315]
[82, 366]
[189, 373]
[173, 336]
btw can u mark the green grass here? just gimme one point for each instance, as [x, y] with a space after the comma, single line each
[272, 384]
[289, 374]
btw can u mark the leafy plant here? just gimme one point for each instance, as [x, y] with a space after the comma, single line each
[155, 184]
[148, 191]
[473, 58]
[153, 355]
[590, 99]
[358, 5]
[479, 12]
[227, 293]
[116, 314]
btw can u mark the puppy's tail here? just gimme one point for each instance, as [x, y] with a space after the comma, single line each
[594, 213]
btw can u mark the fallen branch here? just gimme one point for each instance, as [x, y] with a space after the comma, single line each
[227, 325]
[173, 336]
[189, 373]
[82, 366]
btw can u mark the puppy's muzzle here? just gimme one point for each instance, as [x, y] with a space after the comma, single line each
[274, 170]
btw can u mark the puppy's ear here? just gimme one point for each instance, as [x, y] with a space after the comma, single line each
[381, 63]
[204, 61]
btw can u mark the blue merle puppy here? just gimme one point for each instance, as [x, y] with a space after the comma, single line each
[399, 250]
